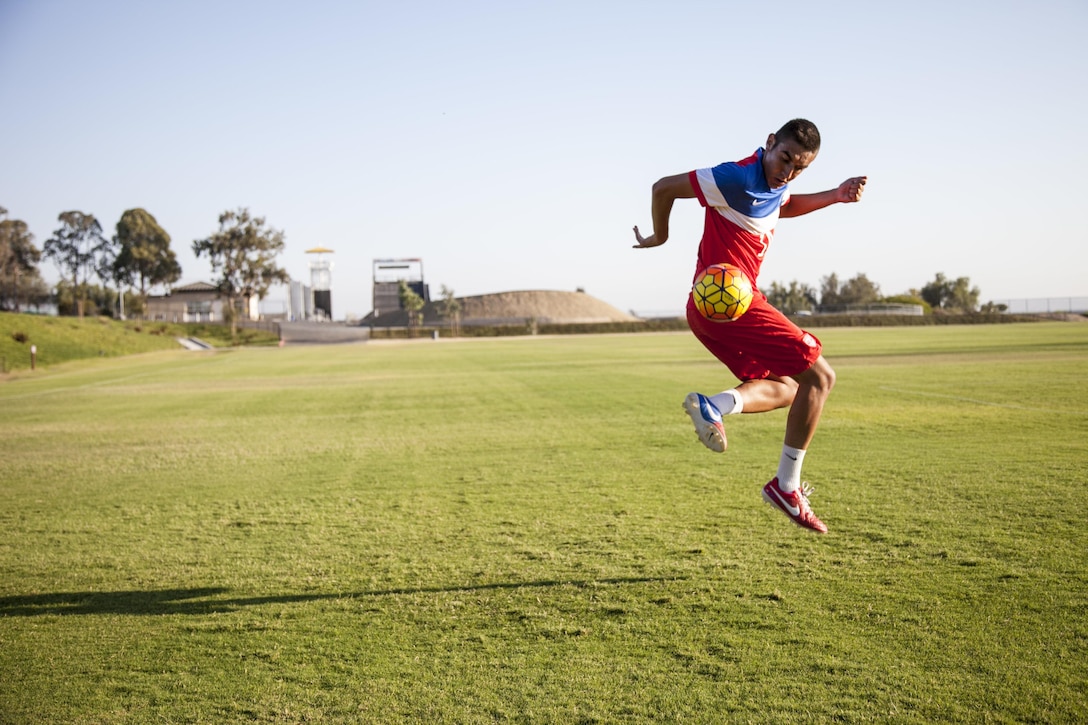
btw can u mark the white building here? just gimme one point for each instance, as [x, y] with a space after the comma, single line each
[196, 302]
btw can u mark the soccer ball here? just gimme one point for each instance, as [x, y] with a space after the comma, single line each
[722, 293]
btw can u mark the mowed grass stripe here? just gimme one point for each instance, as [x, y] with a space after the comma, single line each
[528, 530]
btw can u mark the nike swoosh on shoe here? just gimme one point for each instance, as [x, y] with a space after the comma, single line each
[792, 510]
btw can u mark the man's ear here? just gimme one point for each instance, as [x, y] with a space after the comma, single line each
[770, 141]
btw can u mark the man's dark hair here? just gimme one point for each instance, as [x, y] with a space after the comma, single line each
[803, 132]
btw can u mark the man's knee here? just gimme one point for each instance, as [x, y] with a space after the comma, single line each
[821, 375]
[787, 391]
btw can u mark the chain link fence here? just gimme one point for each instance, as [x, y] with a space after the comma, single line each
[1044, 305]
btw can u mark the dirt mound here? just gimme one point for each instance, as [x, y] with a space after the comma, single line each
[542, 305]
[516, 308]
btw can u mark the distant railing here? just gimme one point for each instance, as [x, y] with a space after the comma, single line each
[272, 326]
[658, 314]
[875, 308]
[1044, 305]
[1031, 306]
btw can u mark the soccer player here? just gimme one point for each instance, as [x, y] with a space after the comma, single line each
[778, 364]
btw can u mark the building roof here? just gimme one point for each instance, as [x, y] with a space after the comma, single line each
[194, 287]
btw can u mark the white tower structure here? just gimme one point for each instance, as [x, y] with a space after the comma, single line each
[321, 282]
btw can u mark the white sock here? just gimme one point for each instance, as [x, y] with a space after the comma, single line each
[728, 402]
[789, 469]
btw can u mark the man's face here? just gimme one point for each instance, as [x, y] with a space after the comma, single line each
[783, 160]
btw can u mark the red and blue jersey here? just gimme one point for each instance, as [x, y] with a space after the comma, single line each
[741, 213]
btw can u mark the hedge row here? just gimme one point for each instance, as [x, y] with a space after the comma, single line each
[674, 324]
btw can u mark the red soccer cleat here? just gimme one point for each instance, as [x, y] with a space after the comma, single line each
[795, 505]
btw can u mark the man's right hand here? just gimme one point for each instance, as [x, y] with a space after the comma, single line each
[646, 242]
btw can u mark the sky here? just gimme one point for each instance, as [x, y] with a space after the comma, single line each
[513, 145]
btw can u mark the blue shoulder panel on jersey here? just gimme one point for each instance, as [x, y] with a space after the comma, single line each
[745, 189]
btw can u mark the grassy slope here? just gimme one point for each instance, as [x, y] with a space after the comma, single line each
[528, 530]
[61, 339]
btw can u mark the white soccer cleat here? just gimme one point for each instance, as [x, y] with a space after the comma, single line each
[708, 421]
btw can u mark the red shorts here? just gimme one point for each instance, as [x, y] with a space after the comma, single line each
[759, 343]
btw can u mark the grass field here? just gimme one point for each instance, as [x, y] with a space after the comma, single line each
[527, 530]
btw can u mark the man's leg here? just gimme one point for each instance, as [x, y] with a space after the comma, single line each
[786, 491]
[814, 385]
[804, 394]
[770, 393]
[751, 396]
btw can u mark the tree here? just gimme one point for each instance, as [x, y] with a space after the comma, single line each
[143, 253]
[856, 291]
[451, 310]
[947, 294]
[105, 268]
[74, 248]
[792, 299]
[243, 253]
[19, 276]
[963, 296]
[829, 290]
[859, 291]
[97, 299]
[34, 290]
[935, 292]
[411, 302]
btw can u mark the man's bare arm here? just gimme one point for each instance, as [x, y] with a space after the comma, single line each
[847, 192]
[665, 192]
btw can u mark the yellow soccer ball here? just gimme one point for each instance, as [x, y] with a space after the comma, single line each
[722, 293]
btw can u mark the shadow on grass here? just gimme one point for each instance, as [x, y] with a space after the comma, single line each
[209, 600]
